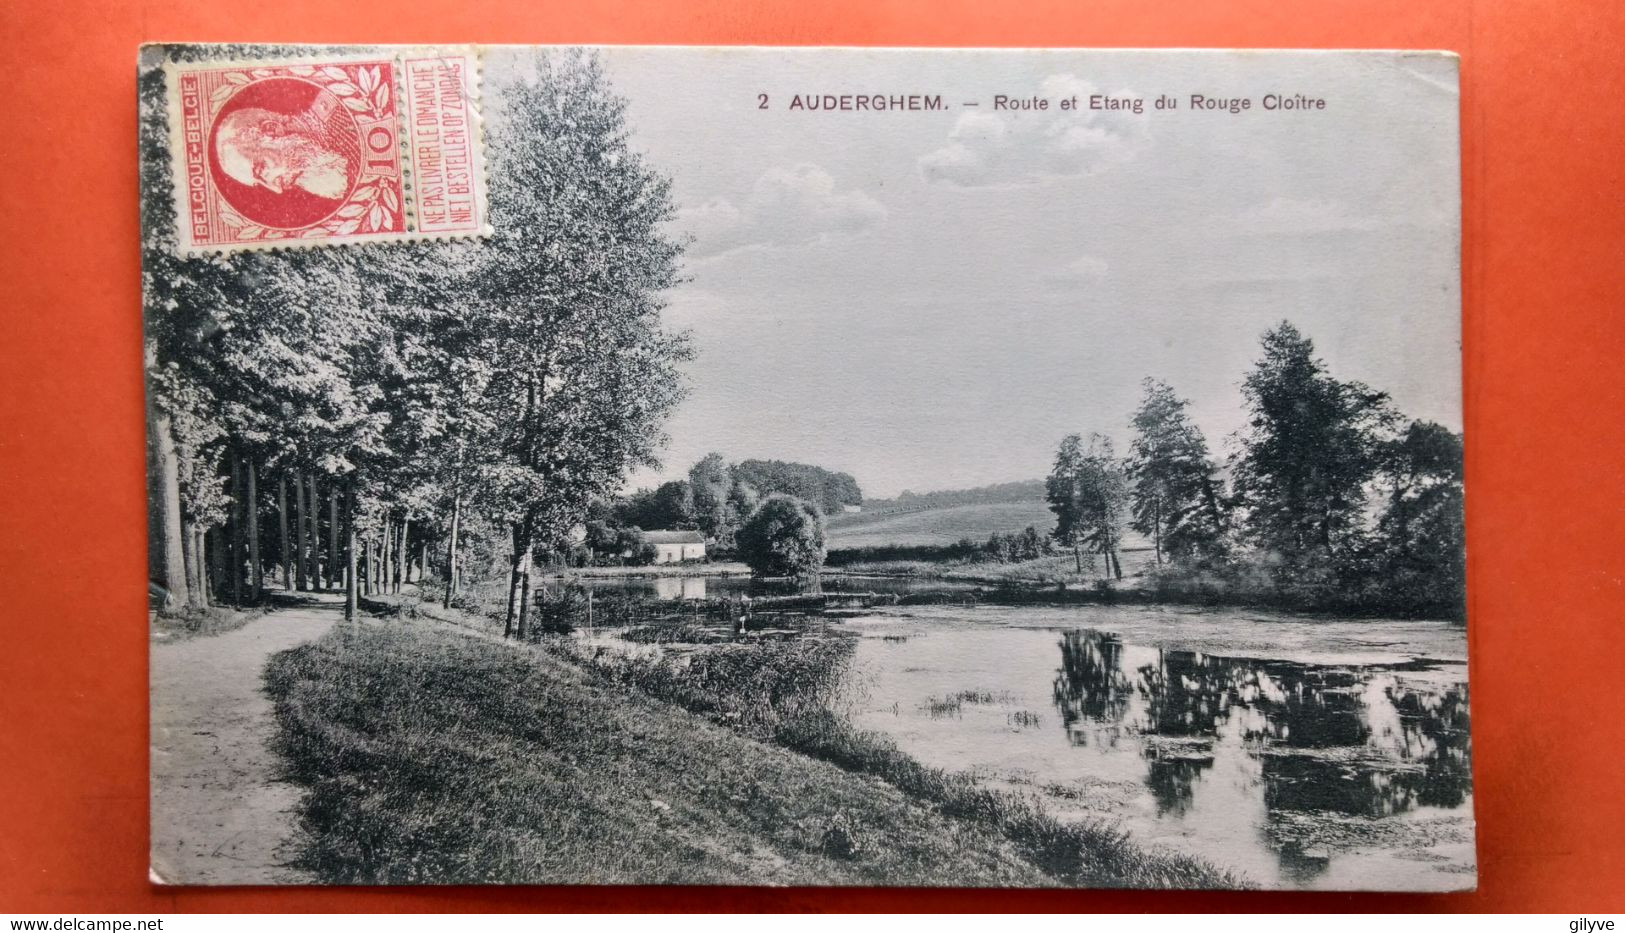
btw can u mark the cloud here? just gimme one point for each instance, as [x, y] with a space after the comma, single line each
[1079, 271]
[788, 206]
[990, 149]
[1304, 216]
[1294, 216]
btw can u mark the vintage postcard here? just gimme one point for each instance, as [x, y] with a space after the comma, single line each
[751, 466]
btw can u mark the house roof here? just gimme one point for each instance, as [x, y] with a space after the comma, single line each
[674, 537]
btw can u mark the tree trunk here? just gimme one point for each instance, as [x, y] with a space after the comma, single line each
[335, 557]
[217, 563]
[235, 519]
[366, 568]
[315, 513]
[192, 558]
[1156, 536]
[1210, 498]
[256, 573]
[513, 581]
[350, 598]
[1077, 557]
[513, 601]
[282, 532]
[456, 527]
[299, 530]
[170, 568]
[386, 554]
[200, 557]
[1117, 566]
[524, 597]
[403, 574]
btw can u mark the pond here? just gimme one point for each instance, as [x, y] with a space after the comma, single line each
[1308, 754]
[1302, 752]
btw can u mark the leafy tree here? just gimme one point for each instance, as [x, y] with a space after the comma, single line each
[1173, 489]
[639, 550]
[1030, 545]
[1088, 493]
[1311, 445]
[568, 291]
[783, 537]
[1061, 489]
[601, 537]
[722, 499]
[708, 482]
[742, 500]
[1421, 531]
[672, 506]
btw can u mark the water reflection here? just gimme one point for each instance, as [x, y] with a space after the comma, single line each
[1347, 741]
[677, 587]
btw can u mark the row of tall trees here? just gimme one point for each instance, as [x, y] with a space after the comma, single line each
[379, 404]
[1327, 485]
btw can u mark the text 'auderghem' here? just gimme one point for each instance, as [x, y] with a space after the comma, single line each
[863, 102]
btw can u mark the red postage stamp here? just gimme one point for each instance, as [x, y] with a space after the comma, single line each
[309, 152]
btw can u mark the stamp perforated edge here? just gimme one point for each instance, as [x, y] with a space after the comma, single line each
[184, 244]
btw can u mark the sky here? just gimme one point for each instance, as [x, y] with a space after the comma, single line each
[932, 300]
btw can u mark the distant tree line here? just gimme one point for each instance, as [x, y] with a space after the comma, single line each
[1330, 497]
[718, 497]
[1019, 491]
[831, 491]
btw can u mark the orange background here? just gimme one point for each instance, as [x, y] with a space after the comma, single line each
[1544, 180]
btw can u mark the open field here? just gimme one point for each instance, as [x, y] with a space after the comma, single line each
[941, 526]
[944, 525]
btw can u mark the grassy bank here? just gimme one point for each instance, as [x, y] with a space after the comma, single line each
[433, 756]
[782, 692]
[436, 756]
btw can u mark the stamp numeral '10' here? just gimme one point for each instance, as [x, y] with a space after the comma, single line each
[307, 152]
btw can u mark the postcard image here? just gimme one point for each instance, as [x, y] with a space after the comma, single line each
[826, 466]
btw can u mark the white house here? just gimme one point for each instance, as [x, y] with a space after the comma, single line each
[674, 546]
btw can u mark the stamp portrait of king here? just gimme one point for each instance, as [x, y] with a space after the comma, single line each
[288, 152]
[285, 152]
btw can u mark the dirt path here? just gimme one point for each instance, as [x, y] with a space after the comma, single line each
[219, 813]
